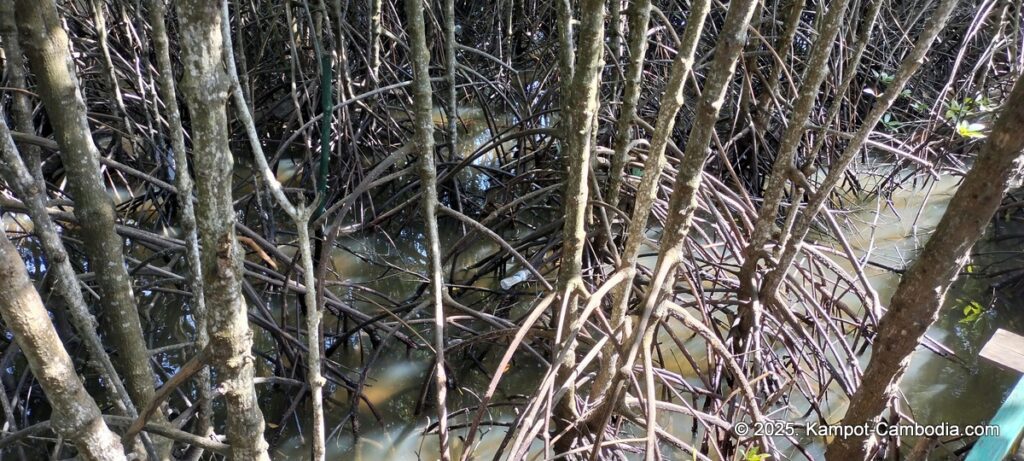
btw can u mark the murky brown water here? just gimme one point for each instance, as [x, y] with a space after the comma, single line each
[937, 389]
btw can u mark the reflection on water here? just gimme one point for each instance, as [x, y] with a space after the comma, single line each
[938, 389]
[888, 232]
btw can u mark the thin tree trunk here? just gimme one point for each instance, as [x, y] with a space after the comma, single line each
[671, 101]
[423, 103]
[578, 116]
[682, 204]
[205, 86]
[863, 37]
[907, 69]
[186, 210]
[100, 23]
[449, 50]
[783, 170]
[915, 305]
[14, 70]
[46, 45]
[639, 18]
[313, 376]
[33, 196]
[566, 62]
[76, 417]
[376, 30]
[782, 48]
[300, 216]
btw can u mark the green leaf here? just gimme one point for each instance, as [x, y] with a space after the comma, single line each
[754, 454]
[972, 312]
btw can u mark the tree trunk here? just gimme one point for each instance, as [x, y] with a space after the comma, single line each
[782, 47]
[682, 203]
[33, 195]
[639, 18]
[423, 103]
[14, 69]
[449, 50]
[907, 69]
[76, 417]
[783, 170]
[376, 30]
[300, 216]
[186, 210]
[205, 86]
[915, 305]
[671, 101]
[578, 121]
[46, 45]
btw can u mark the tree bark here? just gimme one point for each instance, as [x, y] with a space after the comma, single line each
[915, 305]
[300, 216]
[76, 417]
[682, 204]
[671, 101]
[783, 170]
[32, 194]
[14, 69]
[639, 18]
[46, 45]
[935, 24]
[683, 201]
[450, 62]
[424, 136]
[186, 209]
[782, 47]
[206, 86]
[578, 116]
[376, 30]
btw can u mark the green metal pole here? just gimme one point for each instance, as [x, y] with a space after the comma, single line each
[327, 105]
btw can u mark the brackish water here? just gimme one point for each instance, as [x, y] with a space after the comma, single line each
[886, 231]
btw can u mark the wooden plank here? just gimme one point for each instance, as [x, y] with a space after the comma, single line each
[1006, 349]
[1010, 420]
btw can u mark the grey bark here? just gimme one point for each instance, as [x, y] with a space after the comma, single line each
[376, 30]
[671, 101]
[578, 115]
[186, 209]
[300, 216]
[14, 74]
[936, 22]
[33, 195]
[863, 36]
[46, 46]
[76, 417]
[205, 85]
[423, 103]
[449, 50]
[639, 18]
[682, 204]
[566, 62]
[683, 201]
[782, 48]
